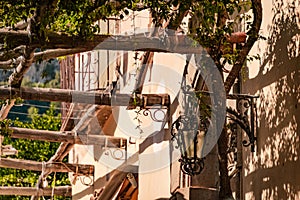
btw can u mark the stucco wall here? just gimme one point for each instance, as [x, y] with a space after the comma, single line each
[272, 172]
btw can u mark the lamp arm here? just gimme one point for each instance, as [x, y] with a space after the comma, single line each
[244, 124]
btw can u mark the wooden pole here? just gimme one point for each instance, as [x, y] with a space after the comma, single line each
[68, 136]
[63, 95]
[65, 191]
[53, 166]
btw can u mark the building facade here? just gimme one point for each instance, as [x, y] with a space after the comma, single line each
[270, 172]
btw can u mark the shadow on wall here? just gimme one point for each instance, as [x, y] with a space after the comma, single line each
[273, 171]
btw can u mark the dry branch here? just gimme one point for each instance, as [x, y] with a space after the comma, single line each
[6, 108]
[17, 76]
[12, 63]
[15, 79]
[21, 25]
[54, 53]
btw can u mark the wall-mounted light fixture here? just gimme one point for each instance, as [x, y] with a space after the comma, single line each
[188, 132]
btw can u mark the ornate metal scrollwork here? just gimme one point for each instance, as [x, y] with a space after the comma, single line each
[241, 118]
[154, 115]
[244, 117]
[192, 166]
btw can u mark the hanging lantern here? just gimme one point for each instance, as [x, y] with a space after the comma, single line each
[189, 136]
[190, 142]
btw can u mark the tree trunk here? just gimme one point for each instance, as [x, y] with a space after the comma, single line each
[225, 188]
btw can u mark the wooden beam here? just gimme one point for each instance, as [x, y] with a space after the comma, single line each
[63, 95]
[65, 191]
[138, 42]
[43, 135]
[68, 137]
[38, 166]
[181, 44]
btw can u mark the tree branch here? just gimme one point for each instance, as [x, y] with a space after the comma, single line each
[10, 64]
[69, 137]
[182, 12]
[6, 108]
[39, 56]
[13, 53]
[253, 36]
[17, 76]
[54, 40]
[21, 25]
[54, 53]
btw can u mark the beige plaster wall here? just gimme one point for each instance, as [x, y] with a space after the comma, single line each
[272, 172]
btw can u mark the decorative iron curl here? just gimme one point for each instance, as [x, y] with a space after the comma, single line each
[192, 166]
[245, 104]
[153, 115]
[244, 124]
[174, 131]
[232, 133]
[113, 153]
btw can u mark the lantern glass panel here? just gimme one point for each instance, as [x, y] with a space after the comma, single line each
[193, 143]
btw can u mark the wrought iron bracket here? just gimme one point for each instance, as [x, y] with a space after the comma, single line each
[245, 116]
